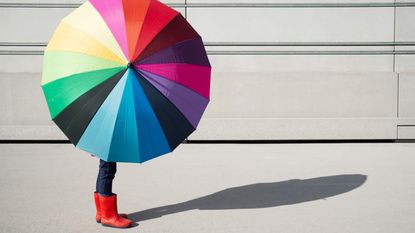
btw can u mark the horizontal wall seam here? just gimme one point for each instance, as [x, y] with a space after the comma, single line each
[384, 52]
[403, 43]
[59, 5]
[258, 44]
[229, 52]
[226, 5]
[297, 5]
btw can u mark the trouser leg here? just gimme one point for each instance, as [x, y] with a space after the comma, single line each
[105, 177]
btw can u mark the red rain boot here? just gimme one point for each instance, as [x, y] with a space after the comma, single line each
[98, 208]
[109, 213]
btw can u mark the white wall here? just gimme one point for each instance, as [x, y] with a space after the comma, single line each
[282, 69]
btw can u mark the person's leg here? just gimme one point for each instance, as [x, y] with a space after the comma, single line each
[106, 200]
[105, 177]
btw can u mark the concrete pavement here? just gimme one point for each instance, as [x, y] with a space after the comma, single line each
[218, 188]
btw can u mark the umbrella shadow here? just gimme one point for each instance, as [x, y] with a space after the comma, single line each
[261, 195]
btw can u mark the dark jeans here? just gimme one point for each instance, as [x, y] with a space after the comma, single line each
[106, 174]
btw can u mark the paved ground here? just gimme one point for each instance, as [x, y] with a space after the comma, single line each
[218, 188]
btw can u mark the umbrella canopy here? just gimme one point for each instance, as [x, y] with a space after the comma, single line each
[126, 80]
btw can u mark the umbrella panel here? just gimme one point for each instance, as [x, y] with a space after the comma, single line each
[191, 51]
[74, 119]
[177, 30]
[175, 125]
[190, 103]
[62, 92]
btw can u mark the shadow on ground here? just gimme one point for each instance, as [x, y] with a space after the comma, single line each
[261, 195]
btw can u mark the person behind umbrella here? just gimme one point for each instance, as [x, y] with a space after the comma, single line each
[105, 200]
[118, 70]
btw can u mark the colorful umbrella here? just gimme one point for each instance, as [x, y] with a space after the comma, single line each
[126, 80]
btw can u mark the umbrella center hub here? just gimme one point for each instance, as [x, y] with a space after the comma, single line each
[130, 65]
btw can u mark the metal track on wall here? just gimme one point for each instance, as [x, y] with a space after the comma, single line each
[233, 5]
[40, 46]
[254, 52]
[254, 44]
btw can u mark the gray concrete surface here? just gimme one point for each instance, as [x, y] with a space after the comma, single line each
[220, 188]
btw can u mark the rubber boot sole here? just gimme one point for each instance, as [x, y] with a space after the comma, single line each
[122, 215]
[105, 225]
